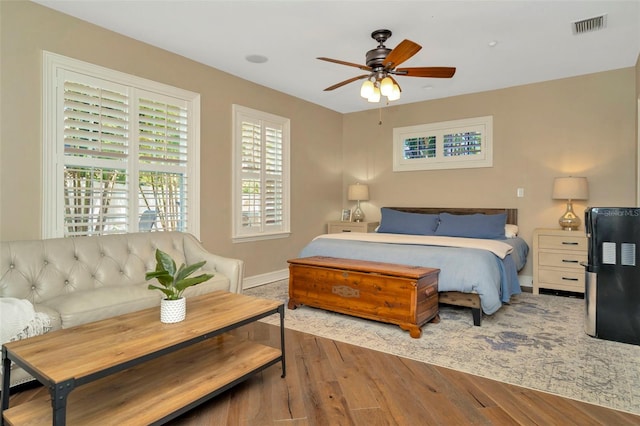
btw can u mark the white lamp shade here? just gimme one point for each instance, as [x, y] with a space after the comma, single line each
[570, 188]
[358, 192]
[395, 93]
[386, 86]
[375, 96]
[367, 89]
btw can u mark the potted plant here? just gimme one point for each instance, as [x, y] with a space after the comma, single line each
[174, 281]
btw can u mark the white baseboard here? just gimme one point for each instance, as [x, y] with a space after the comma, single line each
[267, 278]
[525, 280]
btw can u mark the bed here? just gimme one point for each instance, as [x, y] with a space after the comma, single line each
[477, 251]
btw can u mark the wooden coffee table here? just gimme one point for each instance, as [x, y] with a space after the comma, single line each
[133, 369]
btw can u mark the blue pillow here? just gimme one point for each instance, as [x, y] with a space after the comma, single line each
[397, 222]
[489, 226]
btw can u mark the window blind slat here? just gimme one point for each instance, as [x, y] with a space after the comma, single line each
[163, 133]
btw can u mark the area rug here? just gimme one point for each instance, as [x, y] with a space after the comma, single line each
[536, 341]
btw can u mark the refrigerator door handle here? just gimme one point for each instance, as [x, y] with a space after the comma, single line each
[590, 292]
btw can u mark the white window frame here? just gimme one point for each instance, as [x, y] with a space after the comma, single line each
[483, 125]
[53, 149]
[239, 234]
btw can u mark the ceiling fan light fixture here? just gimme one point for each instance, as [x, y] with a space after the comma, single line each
[367, 89]
[386, 86]
[375, 96]
[381, 65]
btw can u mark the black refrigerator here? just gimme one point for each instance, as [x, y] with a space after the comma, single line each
[612, 292]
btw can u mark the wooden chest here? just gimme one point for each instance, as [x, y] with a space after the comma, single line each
[397, 294]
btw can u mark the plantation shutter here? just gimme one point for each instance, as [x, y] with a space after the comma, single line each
[465, 143]
[261, 176]
[273, 197]
[120, 153]
[251, 180]
[460, 144]
[95, 132]
[260, 186]
[162, 160]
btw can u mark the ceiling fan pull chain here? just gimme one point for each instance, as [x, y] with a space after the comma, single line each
[379, 116]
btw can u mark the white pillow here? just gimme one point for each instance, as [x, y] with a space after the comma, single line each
[510, 231]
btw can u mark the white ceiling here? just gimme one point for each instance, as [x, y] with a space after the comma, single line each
[534, 39]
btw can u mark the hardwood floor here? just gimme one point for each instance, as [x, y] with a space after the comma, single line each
[334, 383]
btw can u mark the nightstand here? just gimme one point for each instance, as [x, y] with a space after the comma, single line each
[338, 226]
[557, 255]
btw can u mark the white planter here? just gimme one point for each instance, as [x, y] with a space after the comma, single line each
[173, 310]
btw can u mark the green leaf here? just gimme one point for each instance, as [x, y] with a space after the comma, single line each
[188, 282]
[166, 261]
[170, 293]
[184, 272]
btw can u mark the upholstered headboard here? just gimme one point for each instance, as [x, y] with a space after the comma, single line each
[512, 214]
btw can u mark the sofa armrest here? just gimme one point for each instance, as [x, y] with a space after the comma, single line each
[231, 268]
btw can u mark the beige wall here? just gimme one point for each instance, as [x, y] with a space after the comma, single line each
[316, 133]
[638, 130]
[582, 126]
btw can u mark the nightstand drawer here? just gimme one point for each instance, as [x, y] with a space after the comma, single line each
[337, 227]
[562, 242]
[348, 228]
[562, 260]
[562, 280]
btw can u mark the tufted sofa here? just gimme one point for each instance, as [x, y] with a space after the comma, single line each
[84, 279]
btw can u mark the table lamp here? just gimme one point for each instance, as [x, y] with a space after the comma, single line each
[570, 188]
[358, 192]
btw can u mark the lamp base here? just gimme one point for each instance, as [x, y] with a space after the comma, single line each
[358, 214]
[569, 221]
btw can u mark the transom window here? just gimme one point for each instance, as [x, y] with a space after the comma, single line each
[447, 145]
[120, 152]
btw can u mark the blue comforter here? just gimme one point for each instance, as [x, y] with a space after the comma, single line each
[467, 270]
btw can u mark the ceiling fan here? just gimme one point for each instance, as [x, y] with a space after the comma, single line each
[382, 64]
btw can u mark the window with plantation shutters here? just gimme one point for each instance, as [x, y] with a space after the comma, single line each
[162, 163]
[95, 133]
[261, 170]
[120, 152]
[455, 144]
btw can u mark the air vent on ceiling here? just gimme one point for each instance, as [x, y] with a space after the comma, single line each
[590, 24]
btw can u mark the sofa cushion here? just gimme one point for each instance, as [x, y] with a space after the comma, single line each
[218, 282]
[81, 307]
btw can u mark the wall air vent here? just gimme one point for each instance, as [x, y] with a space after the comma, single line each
[589, 24]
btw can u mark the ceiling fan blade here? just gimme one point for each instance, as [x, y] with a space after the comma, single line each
[401, 53]
[349, 64]
[434, 72]
[342, 83]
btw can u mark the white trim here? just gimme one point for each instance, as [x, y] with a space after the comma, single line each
[49, 186]
[525, 280]
[60, 61]
[52, 162]
[482, 125]
[260, 237]
[262, 279]
[239, 235]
